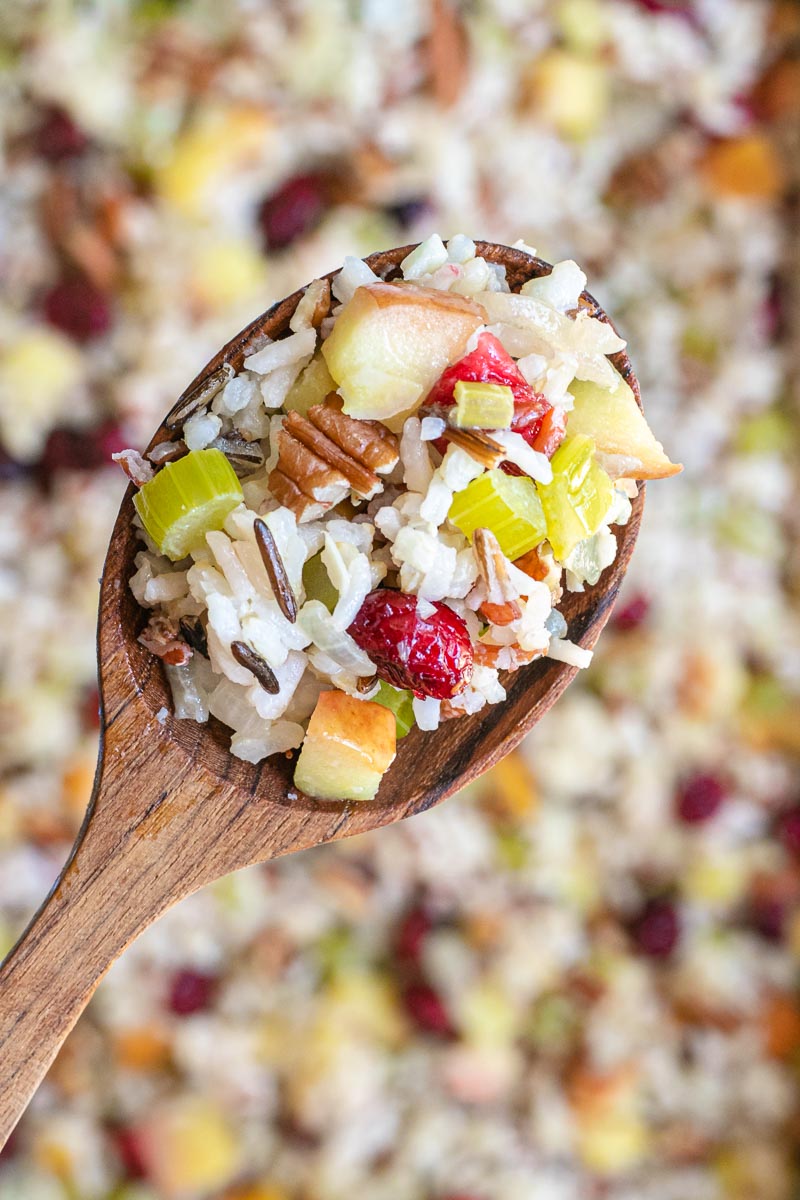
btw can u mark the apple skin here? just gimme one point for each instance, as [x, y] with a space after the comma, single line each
[349, 746]
[391, 342]
[619, 430]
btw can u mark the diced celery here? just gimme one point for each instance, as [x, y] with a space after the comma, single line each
[577, 501]
[400, 703]
[317, 583]
[186, 500]
[483, 405]
[508, 505]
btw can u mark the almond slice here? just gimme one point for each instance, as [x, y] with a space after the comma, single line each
[363, 481]
[368, 442]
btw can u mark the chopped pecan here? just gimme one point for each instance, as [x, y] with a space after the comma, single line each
[287, 493]
[363, 481]
[160, 637]
[137, 469]
[477, 444]
[500, 606]
[313, 307]
[368, 442]
[447, 52]
[312, 474]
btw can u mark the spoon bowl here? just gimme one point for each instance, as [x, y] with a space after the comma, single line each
[173, 810]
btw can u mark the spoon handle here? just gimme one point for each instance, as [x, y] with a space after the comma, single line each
[119, 878]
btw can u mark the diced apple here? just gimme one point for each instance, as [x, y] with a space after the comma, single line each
[624, 441]
[390, 344]
[349, 746]
[311, 387]
[569, 91]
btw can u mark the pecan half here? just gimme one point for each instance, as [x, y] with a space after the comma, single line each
[311, 473]
[368, 442]
[314, 306]
[287, 493]
[363, 481]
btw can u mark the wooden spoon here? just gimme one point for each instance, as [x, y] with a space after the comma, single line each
[172, 810]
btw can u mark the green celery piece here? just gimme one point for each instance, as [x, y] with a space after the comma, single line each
[400, 703]
[508, 505]
[188, 499]
[576, 502]
[317, 582]
[483, 405]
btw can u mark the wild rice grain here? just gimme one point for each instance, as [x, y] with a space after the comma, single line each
[477, 445]
[195, 636]
[197, 397]
[273, 563]
[255, 664]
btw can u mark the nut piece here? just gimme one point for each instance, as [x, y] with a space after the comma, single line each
[368, 442]
[478, 445]
[500, 606]
[287, 493]
[313, 307]
[363, 481]
[312, 474]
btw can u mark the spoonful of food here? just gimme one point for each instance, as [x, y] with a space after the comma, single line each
[371, 545]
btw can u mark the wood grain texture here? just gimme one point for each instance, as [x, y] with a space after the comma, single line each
[172, 810]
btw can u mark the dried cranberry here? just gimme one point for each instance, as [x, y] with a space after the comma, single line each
[295, 209]
[657, 928]
[426, 1009]
[191, 992]
[675, 8]
[412, 931]
[699, 797]
[79, 309]
[789, 830]
[130, 1152]
[432, 656]
[767, 915]
[58, 137]
[80, 449]
[90, 709]
[631, 615]
[534, 418]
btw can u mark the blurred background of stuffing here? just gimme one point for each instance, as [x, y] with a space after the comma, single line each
[578, 980]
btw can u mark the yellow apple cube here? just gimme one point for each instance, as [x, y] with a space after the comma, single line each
[312, 386]
[349, 746]
[390, 344]
[617, 426]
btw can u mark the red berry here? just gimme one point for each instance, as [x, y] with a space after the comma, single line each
[676, 8]
[657, 928]
[426, 1010]
[79, 309]
[432, 656]
[789, 830]
[412, 931]
[128, 1146]
[58, 136]
[534, 418]
[633, 614]
[699, 797]
[80, 449]
[191, 992]
[768, 917]
[90, 709]
[295, 209]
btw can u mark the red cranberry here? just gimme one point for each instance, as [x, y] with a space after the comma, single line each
[768, 917]
[58, 136]
[79, 309]
[789, 830]
[128, 1146]
[295, 209]
[90, 709]
[699, 797]
[657, 928]
[773, 311]
[412, 931]
[676, 8]
[426, 1010]
[432, 656]
[632, 614]
[191, 992]
[80, 449]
